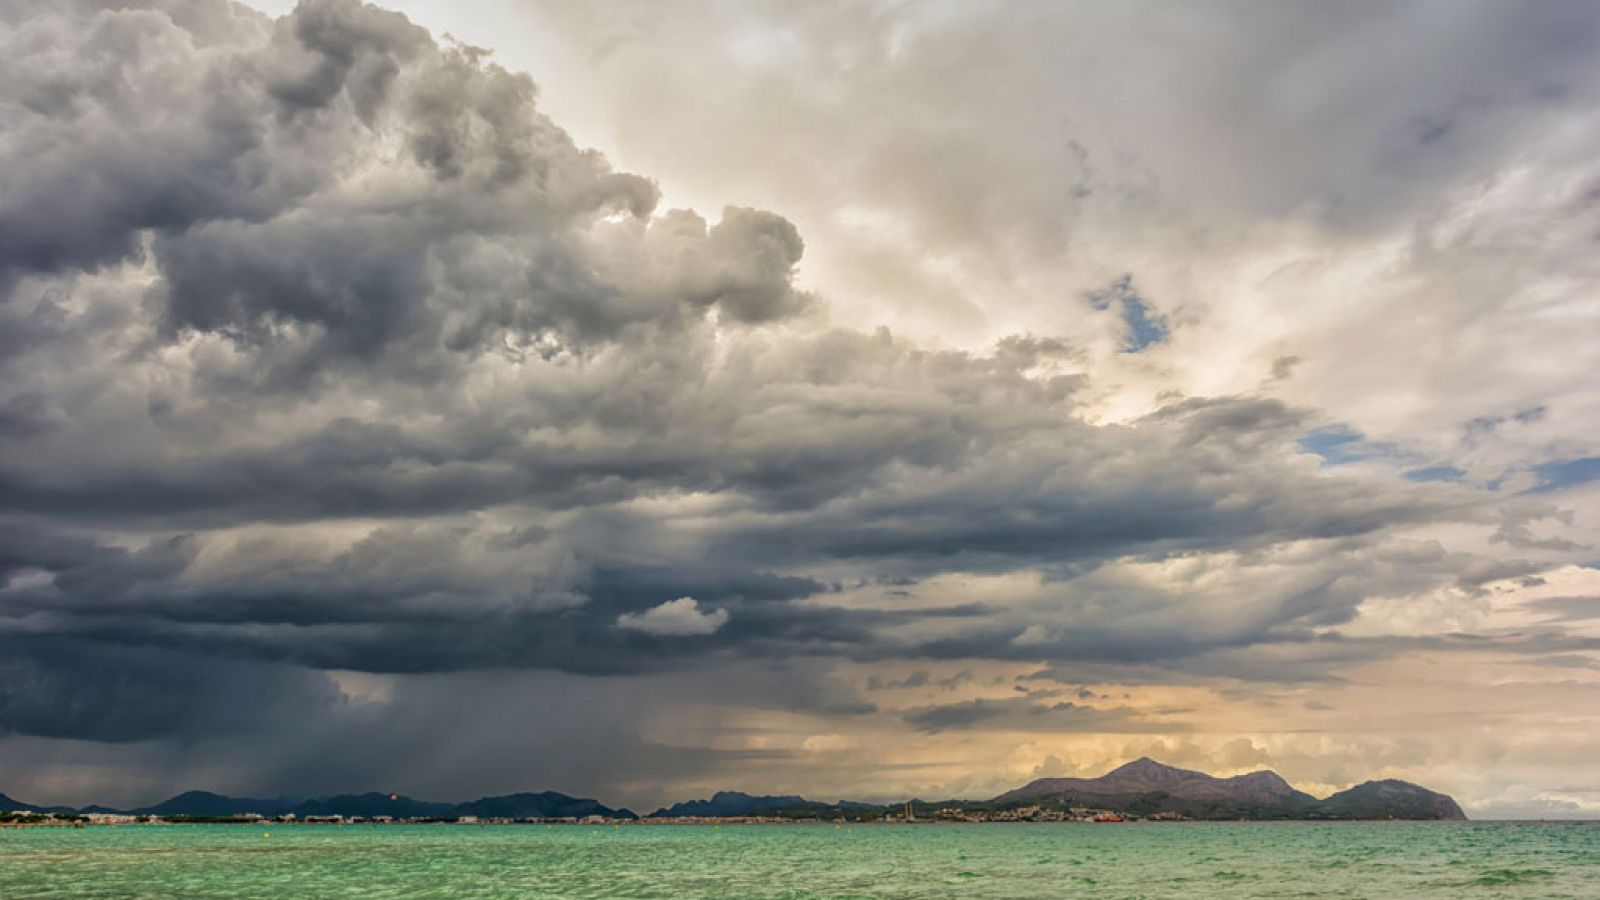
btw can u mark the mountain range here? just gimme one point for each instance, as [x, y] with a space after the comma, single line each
[546, 805]
[1143, 787]
[727, 803]
[735, 803]
[1147, 787]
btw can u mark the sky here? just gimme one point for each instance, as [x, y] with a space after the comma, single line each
[856, 400]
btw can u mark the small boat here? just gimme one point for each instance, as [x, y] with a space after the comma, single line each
[1109, 817]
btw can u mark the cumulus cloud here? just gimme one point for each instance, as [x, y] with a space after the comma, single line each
[675, 618]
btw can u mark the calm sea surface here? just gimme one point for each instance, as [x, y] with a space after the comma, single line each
[1133, 860]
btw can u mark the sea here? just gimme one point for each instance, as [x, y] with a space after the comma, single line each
[1187, 860]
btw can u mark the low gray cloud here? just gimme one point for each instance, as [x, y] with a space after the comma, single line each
[1024, 714]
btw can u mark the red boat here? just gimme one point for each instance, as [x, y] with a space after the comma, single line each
[1110, 818]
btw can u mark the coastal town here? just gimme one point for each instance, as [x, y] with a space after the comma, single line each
[894, 816]
[943, 815]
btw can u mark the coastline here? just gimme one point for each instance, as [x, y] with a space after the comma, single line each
[112, 821]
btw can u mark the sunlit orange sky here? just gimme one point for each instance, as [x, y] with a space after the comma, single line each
[855, 400]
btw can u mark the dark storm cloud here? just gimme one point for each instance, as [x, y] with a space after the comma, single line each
[65, 688]
[1024, 714]
[259, 175]
[336, 353]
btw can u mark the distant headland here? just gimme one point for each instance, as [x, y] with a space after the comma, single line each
[1142, 790]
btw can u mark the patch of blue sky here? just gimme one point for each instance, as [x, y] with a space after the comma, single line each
[1436, 473]
[1337, 444]
[1142, 326]
[1341, 444]
[1566, 473]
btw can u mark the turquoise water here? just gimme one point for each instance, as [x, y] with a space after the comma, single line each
[1190, 860]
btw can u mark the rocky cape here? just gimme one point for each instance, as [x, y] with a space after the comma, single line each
[1146, 787]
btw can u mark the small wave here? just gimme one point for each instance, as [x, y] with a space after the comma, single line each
[1503, 877]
